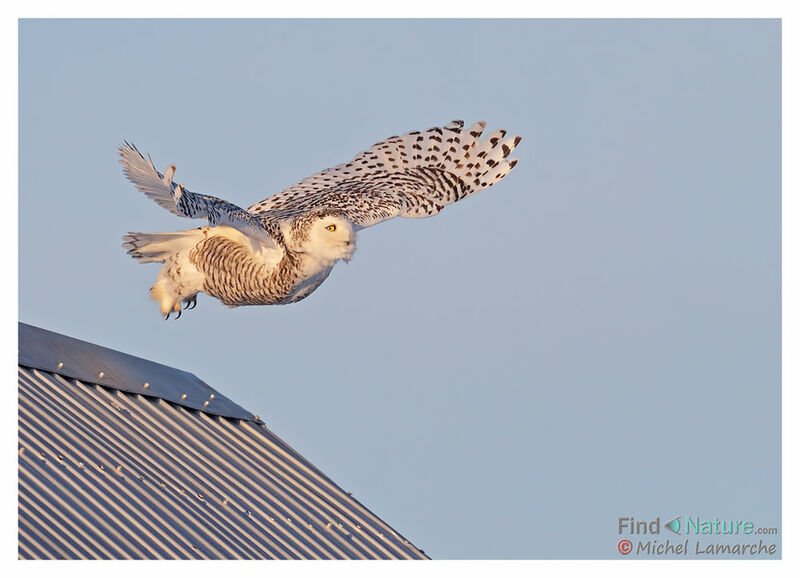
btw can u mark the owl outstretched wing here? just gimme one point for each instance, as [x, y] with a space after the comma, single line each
[180, 201]
[414, 175]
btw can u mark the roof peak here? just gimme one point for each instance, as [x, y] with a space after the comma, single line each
[87, 362]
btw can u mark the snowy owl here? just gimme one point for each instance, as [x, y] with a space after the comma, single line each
[282, 248]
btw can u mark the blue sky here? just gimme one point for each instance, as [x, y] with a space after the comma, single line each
[597, 336]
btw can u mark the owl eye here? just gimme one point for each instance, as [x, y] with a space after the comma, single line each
[331, 227]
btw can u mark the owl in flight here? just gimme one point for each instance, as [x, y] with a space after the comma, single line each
[282, 248]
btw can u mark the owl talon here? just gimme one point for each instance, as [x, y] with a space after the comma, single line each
[178, 316]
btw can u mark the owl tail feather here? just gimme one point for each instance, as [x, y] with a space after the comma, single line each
[158, 247]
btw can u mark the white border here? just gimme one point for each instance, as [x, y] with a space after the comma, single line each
[427, 9]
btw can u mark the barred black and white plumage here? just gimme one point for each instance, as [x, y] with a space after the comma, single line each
[282, 248]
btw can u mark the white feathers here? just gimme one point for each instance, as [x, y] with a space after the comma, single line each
[168, 174]
[413, 175]
[179, 201]
[282, 248]
[156, 247]
[146, 178]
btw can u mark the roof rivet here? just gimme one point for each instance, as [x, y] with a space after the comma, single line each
[289, 520]
[328, 525]
[183, 397]
[146, 385]
[211, 396]
[256, 418]
[21, 451]
[101, 375]
[205, 404]
[60, 365]
[118, 468]
[224, 501]
[310, 526]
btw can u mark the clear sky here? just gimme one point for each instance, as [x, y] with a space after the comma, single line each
[597, 336]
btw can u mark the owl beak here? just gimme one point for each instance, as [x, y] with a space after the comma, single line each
[350, 248]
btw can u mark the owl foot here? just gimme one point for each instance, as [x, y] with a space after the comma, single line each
[176, 308]
[190, 302]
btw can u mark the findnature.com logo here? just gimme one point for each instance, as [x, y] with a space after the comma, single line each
[704, 537]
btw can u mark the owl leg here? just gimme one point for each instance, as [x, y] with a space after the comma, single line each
[161, 294]
[177, 281]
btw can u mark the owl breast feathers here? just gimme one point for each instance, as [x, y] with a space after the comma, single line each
[282, 248]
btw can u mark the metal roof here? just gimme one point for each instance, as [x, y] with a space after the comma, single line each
[122, 458]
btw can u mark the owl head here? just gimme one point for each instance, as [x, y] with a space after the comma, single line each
[326, 235]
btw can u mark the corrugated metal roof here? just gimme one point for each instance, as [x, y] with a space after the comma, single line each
[109, 470]
[70, 357]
